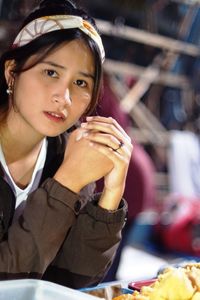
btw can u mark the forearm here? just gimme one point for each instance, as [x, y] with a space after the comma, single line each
[110, 199]
[34, 239]
[91, 244]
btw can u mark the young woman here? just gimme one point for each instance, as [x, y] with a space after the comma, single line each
[52, 224]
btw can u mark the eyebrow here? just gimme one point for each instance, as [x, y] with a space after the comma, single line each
[64, 68]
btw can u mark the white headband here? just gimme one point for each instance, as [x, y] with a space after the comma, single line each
[46, 24]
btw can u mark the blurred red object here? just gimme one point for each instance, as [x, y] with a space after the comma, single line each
[139, 284]
[179, 225]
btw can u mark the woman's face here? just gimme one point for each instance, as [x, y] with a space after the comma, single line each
[51, 96]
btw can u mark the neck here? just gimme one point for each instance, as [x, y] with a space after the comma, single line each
[17, 142]
[21, 146]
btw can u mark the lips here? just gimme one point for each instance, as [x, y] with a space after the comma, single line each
[55, 116]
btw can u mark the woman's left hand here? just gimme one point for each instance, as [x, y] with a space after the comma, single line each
[109, 138]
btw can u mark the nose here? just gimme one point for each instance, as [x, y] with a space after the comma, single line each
[62, 98]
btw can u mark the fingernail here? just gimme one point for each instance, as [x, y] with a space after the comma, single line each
[81, 134]
[85, 134]
[89, 118]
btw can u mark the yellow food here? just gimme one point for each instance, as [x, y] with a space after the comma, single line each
[181, 283]
[124, 297]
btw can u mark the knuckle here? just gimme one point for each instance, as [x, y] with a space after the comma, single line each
[113, 121]
[112, 127]
[111, 138]
[110, 119]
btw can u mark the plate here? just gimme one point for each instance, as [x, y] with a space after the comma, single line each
[33, 289]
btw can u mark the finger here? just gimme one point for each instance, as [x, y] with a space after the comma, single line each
[109, 140]
[80, 134]
[108, 120]
[103, 145]
[106, 128]
[121, 144]
[112, 155]
[105, 139]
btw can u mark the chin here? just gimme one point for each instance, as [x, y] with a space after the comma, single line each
[55, 133]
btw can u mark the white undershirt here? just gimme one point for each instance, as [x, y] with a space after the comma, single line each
[21, 194]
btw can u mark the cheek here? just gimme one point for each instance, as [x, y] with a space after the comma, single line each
[23, 89]
[87, 98]
[82, 100]
[86, 102]
[79, 108]
[30, 90]
[82, 107]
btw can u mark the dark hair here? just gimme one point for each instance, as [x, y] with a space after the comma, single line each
[44, 44]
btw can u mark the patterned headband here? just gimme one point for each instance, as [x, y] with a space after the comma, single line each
[46, 24]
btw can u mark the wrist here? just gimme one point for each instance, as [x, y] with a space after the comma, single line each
[68, 181]
[110, 199]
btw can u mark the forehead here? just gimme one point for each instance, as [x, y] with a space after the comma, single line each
[77, 49]
[75, 53]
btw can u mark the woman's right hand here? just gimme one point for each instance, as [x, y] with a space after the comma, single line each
[82, 163]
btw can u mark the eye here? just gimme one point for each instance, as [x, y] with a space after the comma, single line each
[81, 83]
[51, 73]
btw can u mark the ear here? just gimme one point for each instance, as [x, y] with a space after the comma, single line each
[9, 70]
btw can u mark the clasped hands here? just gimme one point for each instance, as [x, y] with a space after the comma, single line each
[100, 148]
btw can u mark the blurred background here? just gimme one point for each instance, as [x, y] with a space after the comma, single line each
[152, 87]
